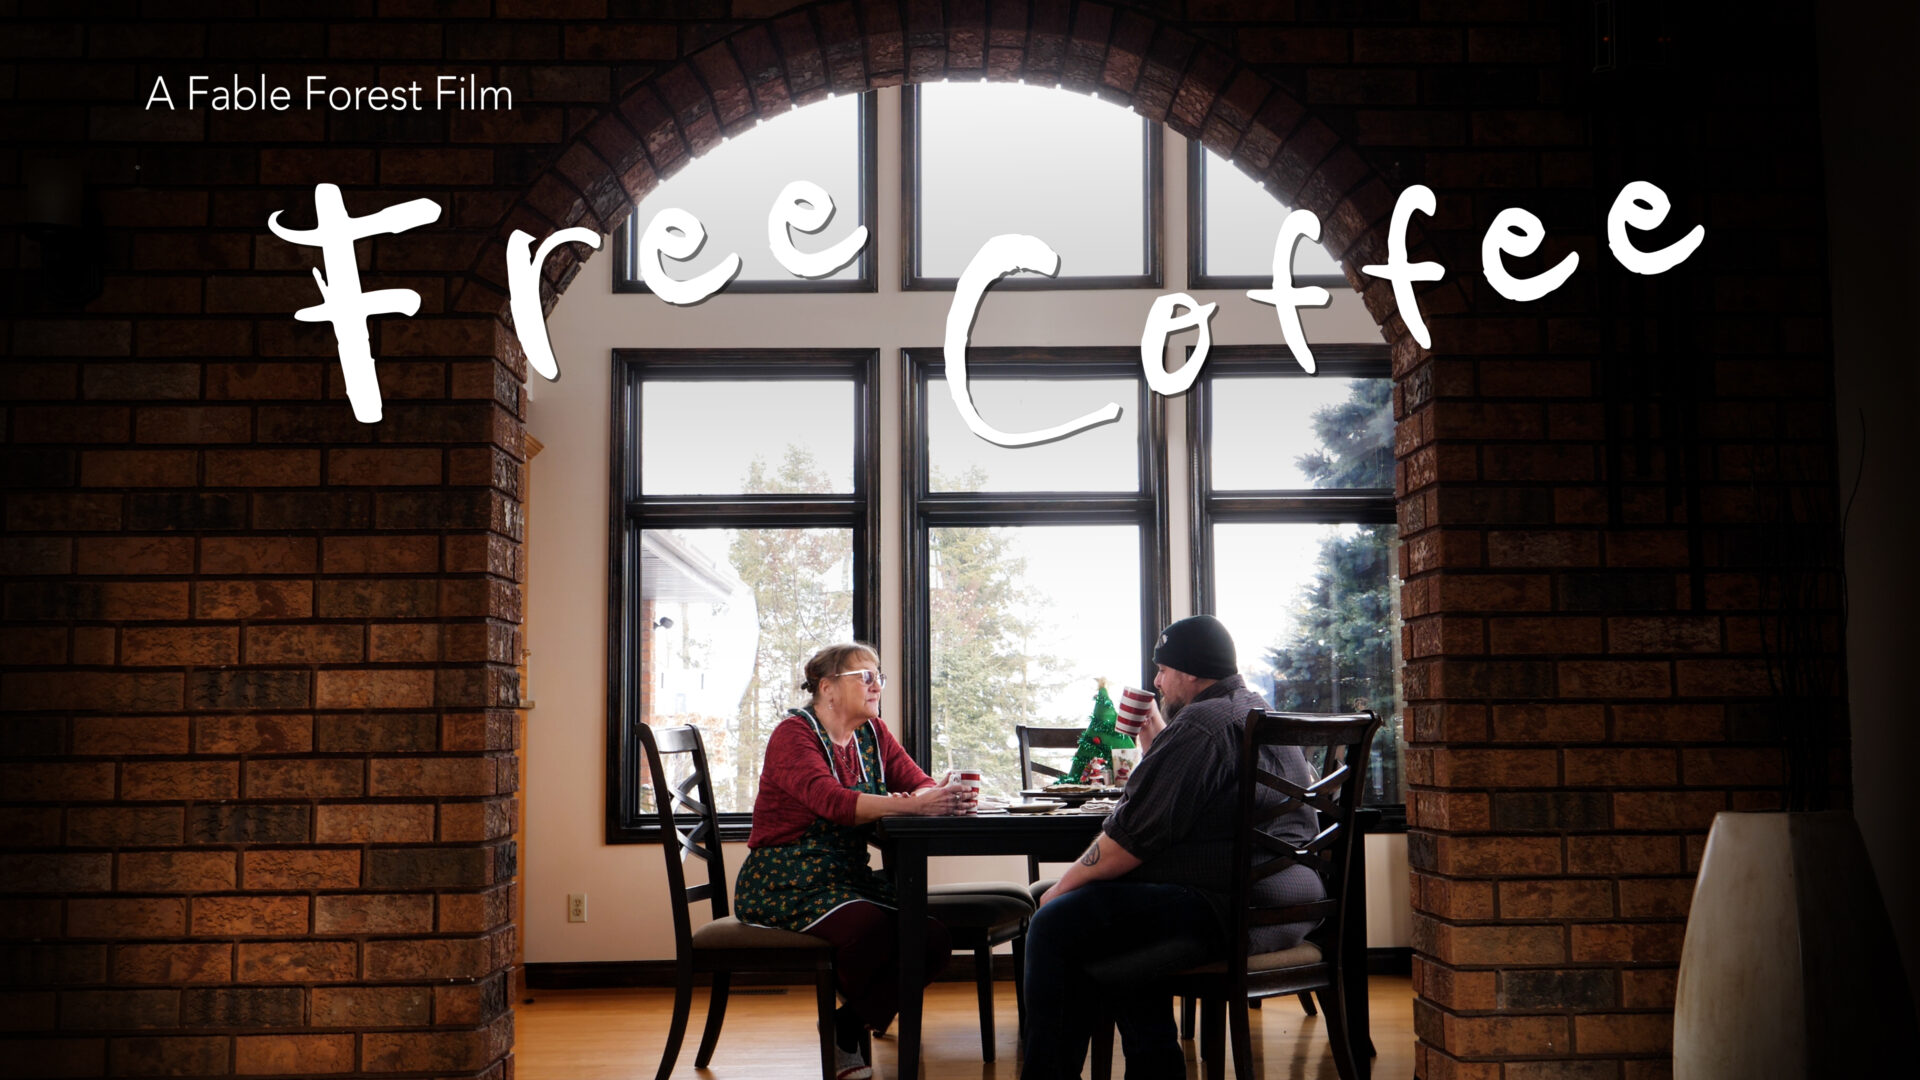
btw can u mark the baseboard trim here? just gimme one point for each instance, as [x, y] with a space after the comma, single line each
[1397, 960]
[611, 974]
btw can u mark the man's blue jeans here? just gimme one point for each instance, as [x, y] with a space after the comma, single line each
[1108, 947]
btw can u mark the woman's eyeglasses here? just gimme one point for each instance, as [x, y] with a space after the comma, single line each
[868, 677]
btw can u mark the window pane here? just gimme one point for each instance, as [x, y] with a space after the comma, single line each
[1315, 615]
[731, 438]
[1274, 434]
[731, 187]
[1005, 158]
[1102, 458]
[1241, 222]
[728, 618]
[1023, 620]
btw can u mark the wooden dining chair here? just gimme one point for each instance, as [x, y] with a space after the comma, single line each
[1041, 738]
[1318, 964]
[690, 828]
[1054, 738]
[979, 915]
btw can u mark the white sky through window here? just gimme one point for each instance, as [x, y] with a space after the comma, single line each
[1102, 458]
[1258, 571]
[1242, 220]
[700, 438]
[1007, 158]
[731, 187]
[1261, 427]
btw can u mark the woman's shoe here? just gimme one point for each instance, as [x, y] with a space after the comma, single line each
[849, 1065]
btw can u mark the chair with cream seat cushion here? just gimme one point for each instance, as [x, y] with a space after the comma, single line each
[725, 946]
[980, 915]
[1318, 964]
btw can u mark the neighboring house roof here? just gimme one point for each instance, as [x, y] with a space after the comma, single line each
[672, 570]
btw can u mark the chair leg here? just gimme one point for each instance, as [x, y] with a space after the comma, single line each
[682, 1007]
[983, 985]
[1254, 1003]
[1020, 982]
[1306, 1003]
[824, 1002]
[716, 1015]
[1186, 1018]
[1242, 1032]
[1213, 1032]
[1337, 1034]
[1103, 1048]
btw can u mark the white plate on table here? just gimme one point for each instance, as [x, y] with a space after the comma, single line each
[1037, 806]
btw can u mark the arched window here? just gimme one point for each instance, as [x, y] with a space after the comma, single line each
[790, 469]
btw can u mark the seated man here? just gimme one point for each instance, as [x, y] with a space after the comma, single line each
[1150, 897]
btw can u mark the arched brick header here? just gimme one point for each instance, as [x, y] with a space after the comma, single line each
[1124, 55]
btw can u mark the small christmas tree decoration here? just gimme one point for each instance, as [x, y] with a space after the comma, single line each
[1098, 742]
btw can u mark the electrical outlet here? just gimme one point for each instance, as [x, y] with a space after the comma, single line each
[577, 907]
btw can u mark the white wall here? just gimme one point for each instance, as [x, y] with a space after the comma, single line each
[563, 850]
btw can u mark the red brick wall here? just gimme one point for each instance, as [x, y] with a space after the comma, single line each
[259, 657]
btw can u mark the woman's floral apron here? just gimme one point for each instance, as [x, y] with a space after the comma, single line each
[792, 886]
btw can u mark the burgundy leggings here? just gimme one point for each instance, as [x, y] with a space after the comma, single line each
[866, 941]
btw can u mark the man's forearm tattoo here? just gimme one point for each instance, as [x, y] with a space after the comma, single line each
[1092, 856]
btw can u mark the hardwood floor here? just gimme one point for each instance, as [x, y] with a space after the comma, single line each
[608, 1034]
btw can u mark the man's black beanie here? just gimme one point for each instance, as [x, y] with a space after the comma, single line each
[1198, 646]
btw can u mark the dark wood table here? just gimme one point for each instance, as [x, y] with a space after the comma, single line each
[908, 842]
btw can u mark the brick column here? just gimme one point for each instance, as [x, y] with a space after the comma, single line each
[1619, 515]
[272, 787]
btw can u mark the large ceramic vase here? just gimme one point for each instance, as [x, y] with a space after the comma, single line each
[1790, 967]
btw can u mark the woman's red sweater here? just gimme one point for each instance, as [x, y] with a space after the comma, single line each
[797, 785]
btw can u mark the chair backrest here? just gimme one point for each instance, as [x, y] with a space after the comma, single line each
[1043, 738]
[1347, 740]
[689, 823]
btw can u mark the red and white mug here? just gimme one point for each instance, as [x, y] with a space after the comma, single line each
[969, 781]
[1134, 705]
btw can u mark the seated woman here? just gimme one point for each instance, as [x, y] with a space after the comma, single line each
[832, 769]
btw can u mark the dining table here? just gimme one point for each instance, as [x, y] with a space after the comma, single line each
[1061, 836]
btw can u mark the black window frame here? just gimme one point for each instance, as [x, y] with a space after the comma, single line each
[631, 512]
[626, 238]
[1207, 508]
[911, 280]
[924, 510]
[1197, 241]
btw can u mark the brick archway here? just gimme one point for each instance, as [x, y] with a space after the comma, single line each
[1126, 57]
[260, 784]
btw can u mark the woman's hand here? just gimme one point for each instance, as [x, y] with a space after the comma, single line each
[945, 798]
[940, 800]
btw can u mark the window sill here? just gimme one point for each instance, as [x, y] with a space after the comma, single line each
[734, 829]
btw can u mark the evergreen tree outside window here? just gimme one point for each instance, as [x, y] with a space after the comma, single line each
[1295, 544]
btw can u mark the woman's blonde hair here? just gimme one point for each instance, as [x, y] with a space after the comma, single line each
[830, 661]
